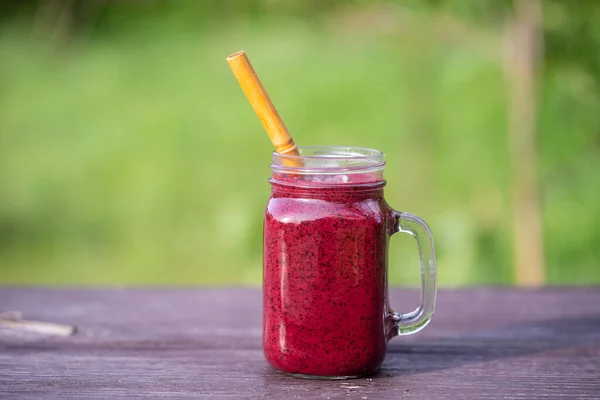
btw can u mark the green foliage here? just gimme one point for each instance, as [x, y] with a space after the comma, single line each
[132, 156]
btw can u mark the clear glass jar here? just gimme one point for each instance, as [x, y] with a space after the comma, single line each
[326, 235]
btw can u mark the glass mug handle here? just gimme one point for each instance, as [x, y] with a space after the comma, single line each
[412, 322]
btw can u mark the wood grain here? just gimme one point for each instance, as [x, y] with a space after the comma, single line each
[206, 343]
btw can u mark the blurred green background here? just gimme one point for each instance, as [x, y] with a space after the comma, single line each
[129, 154]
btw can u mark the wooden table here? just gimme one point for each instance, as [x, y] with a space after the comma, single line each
[206, 343]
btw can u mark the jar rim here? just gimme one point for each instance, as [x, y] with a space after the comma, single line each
[329, 160]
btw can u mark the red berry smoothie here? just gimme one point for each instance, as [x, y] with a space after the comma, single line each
[325, 276]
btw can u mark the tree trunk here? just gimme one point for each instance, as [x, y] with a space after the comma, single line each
[522, 63]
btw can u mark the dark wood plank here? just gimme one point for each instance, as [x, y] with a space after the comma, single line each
[205, 343]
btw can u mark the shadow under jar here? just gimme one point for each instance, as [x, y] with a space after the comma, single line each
[326, 234]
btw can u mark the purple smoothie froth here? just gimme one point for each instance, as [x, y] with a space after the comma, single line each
[325, 276]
